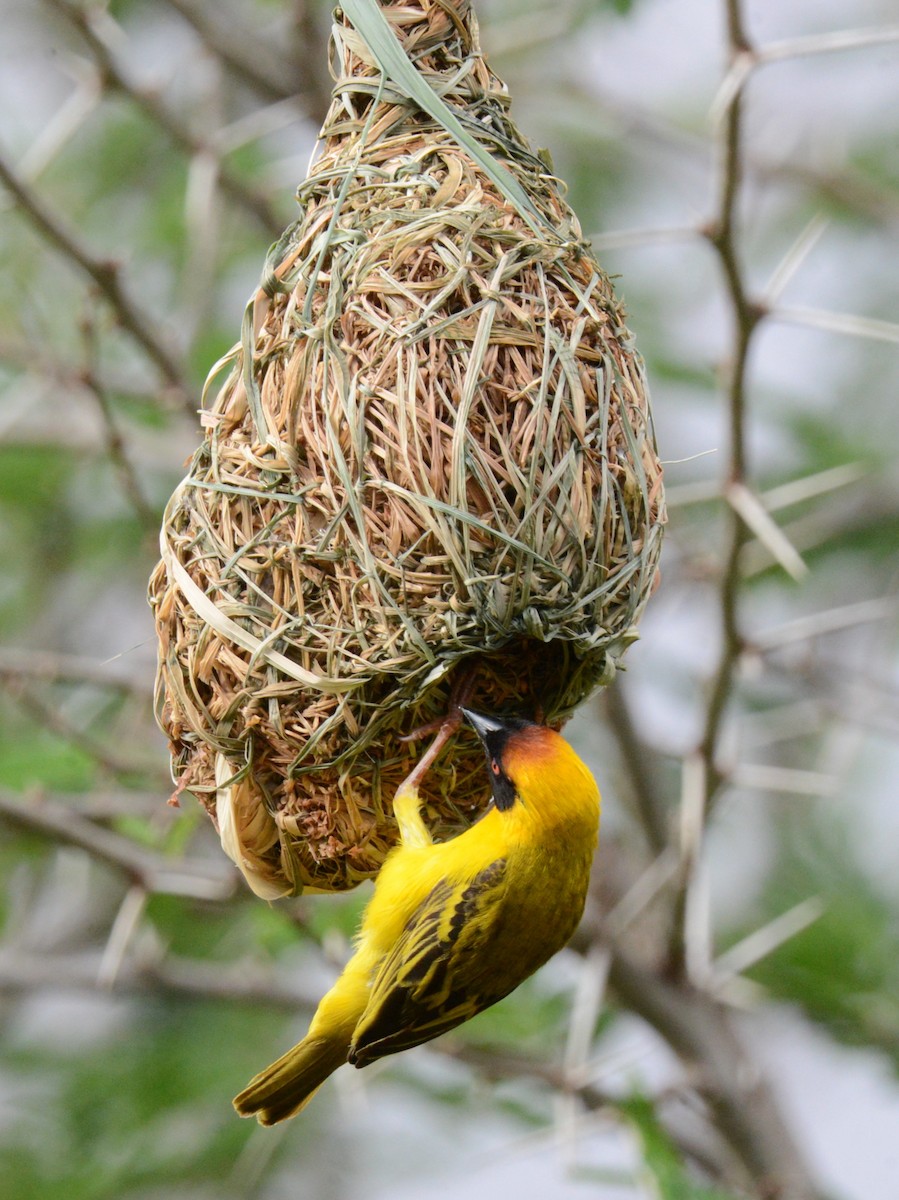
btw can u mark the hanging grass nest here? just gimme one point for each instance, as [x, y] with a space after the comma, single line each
[433, 454]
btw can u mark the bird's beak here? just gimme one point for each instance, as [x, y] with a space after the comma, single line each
[483, 725]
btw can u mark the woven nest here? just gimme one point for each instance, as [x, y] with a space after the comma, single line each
[433, 454]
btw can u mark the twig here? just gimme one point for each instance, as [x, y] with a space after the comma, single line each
[107, 277]
[794, 258]
[251, 983]
[808, 487]
[750, 509]
[115, 673]
[253, 201]
[586, 1005]
[124, 927]
[765, 777]
[641, 893]
[257, 63]
[619, 239]
[51, 718]
[151, 871]
[762, 942]
[848, 323]
[690, 948]
[844, 520]
[845, 616]
[256, 124]
[116, 447]
[828, 43]
[63, 125]
[648, 797]
[745, 1110]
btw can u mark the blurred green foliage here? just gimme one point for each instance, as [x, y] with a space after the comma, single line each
[662, 1160]
[843, 970]
[85, 1130]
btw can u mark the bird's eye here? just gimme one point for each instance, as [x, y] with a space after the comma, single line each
[494, 766]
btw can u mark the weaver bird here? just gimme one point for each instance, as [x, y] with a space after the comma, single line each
[454, 926]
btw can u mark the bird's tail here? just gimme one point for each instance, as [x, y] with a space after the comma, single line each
[287, 1086]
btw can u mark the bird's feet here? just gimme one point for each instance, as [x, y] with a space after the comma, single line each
[406, 801]
[459, 697]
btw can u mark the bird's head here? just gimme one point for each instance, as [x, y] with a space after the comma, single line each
[533, 765]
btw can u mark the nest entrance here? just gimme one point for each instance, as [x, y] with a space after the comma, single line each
[343, 841]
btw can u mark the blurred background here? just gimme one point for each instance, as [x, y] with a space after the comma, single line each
[726, 1022]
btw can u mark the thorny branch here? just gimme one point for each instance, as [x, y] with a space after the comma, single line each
[256, 983]
[701, 1031]
[723, 235]
[693, 1023]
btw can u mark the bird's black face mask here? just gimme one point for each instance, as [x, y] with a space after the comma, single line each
[494, 733]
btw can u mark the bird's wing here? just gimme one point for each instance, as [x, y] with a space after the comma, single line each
[441, 970]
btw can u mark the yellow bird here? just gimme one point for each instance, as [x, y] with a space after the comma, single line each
[454, 926]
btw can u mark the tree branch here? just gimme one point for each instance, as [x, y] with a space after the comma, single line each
[649, 801]
[257, 63]
[106, 276]
[31, 663]
[116, 446]
[241, 982]
[700, 1031]
[213, 880]
[253, 201]
[722, 234]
